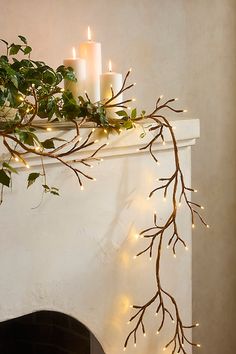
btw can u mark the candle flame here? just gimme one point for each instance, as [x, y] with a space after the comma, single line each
[110, 66]
[73, 52]
[89, 34]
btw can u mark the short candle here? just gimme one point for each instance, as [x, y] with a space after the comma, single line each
[111, 81]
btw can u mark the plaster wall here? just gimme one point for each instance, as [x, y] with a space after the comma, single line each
[181, 48]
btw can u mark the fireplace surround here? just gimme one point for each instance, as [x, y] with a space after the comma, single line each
[74, 254]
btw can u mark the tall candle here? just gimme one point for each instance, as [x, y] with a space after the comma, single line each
[111, 81]
[79, 67]
[91, 52]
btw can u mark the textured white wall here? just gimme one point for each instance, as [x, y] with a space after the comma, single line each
[183, 48]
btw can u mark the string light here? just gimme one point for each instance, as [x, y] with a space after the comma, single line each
[49, 129]
[62, 90]
[195, 190]
[186, 248]
[105, 131]
[16, 159]
[96, 141]
[93, 130]
[176, 99]
[185, 110]
[179, 204]
[208, 226]
[27, 166]
[134, 257]
[193, 226]
[144, 334]
[197, 325]
[133, 99]
[161, 97]
[157, 332]
[81, 188]
[163, 143]
[164, 349]
[202, 207]
[124, 349]
[94, 179]
[198, 345]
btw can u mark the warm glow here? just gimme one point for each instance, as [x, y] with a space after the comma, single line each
[73, 53]
[110, 66]
[89, 34]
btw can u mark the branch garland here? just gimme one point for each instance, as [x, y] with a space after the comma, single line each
[30, 90]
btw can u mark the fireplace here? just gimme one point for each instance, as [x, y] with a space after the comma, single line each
[71, 258]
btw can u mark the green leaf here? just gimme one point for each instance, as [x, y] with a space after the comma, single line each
[26, 137]
[134, 113]
[32, 178]
[14, 80]
[128, 124]
[48, 144]
[54, 193]
[46, 188]
[23, 39]
[122, 113]
[14, 49]
[27, 50]
[9, 167]
[4, 178]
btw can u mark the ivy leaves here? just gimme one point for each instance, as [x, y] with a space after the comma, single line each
[5, 173]
[46, 189]
[4, 178]
[13, 48]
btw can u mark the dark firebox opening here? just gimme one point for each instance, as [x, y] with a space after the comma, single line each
[44, 332]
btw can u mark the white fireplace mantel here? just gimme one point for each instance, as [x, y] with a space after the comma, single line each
[74, 253]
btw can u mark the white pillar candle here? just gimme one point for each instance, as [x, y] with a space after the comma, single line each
[79, 67]
[91, 52]
[111, 81]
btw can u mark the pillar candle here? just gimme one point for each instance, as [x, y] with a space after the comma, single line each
[79, 67]
[91, 52]
[108, 80]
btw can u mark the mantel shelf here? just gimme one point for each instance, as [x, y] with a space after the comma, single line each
[128, 142]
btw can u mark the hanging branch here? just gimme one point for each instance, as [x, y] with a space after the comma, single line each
[156, 234]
